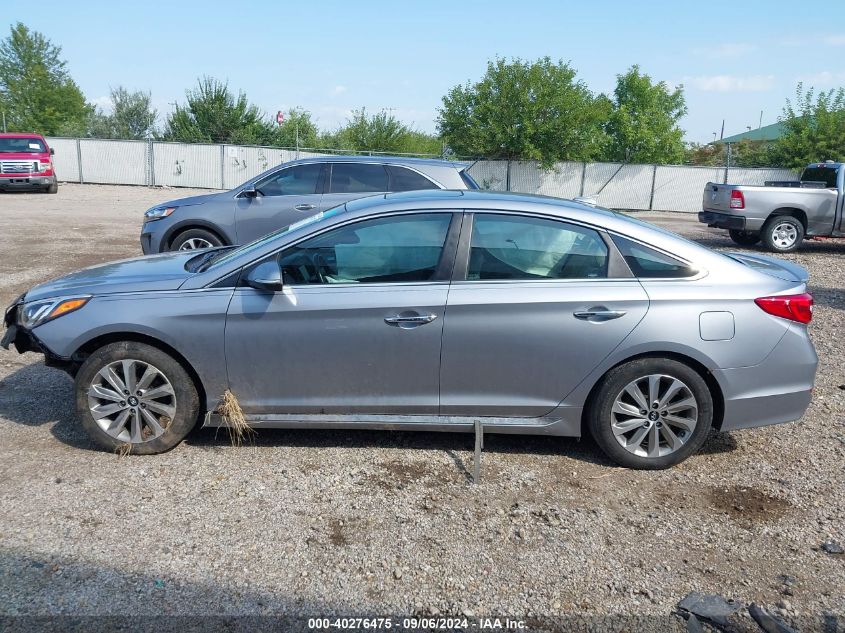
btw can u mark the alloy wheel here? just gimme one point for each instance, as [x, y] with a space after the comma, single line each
[654, 415]
[194, 243]
[132, 401]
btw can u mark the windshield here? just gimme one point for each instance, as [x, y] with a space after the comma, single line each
[226, 256]
[22, 145]
[827, 175]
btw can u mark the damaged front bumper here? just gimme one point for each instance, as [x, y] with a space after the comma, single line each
[24, 340]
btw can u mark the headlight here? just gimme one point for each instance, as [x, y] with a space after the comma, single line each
[156, 213]
[35, 313]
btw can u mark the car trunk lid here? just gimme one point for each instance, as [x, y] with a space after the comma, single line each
[773, 267]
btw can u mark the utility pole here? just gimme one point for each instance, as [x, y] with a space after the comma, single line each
[4, 121]
[759, 125]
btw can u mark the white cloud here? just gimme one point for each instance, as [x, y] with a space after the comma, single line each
[835, 40]
[338, 90]
[824, 78]
[102, 103]
[731, 83]
[726, 51]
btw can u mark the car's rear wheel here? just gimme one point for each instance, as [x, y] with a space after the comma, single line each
[744, 238]
[651, 413]
[135, 398]
[783, 233]
[194, 239]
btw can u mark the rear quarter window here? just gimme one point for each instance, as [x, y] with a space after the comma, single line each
[404, 179]
[648, 263]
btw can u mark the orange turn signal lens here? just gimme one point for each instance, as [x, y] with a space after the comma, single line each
[67, 306]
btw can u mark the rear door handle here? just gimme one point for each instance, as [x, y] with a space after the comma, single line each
[599, 315]
[413, 319]
[304, 207]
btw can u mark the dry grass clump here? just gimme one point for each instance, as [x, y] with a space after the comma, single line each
[233, 415]
[122, 450]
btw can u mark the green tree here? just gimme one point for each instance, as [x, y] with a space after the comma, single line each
[525, 110]
[36, 92]
[213, 114]
[297, 122]
[132, 116]
[643, 125]
[380, 132]
[814, 128]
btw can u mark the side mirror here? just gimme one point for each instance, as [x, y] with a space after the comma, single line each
[249, 192]
[52, 151]
[265, 276]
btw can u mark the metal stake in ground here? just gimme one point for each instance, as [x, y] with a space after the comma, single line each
[479, 444]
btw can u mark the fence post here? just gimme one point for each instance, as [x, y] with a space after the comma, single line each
[223, 166]
[79, 160]
[653, 180]
[508, 176]
[152, 159]
[583, 176]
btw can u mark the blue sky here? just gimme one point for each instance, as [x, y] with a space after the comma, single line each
[734, 58]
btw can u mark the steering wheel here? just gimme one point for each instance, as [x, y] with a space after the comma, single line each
[320, 265]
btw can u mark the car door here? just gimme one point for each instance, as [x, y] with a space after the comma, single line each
[286, 196]
[348, 181]
[358, 326]
[531, 312]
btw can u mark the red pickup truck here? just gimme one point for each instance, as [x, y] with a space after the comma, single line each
[26, 163]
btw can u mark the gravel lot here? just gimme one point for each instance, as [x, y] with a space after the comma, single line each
[379, 522]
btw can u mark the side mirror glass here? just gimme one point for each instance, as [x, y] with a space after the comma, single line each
[249, 192]
[266, 276]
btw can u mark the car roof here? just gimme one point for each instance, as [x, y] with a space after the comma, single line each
[20, 135]
[393, 160]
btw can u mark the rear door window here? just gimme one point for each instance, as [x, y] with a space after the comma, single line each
[521, 247]
[358, 178]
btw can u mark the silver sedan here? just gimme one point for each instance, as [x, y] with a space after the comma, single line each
[429, 311]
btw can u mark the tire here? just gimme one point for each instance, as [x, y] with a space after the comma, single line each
[126, 436]
[782, 233]
[54, 188]
[744, 238]
[194, 239]
[605, 421]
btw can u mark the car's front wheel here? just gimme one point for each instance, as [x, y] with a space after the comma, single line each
[135, 398]
[651, 413]
[194, 239]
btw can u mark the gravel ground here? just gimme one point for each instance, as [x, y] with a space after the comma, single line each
[380, 522]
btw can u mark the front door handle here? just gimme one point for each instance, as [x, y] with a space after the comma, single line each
[304, 207]
[410, 320]
[599, 315]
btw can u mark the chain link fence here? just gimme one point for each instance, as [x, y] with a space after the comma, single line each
[215, 166]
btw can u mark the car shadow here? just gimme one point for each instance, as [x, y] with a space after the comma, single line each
[828, 297]
[62, 592]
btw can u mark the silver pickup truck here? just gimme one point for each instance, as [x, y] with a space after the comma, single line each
[781, 214]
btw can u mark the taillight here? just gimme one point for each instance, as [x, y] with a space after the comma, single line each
[737, 199]
[793, 307]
